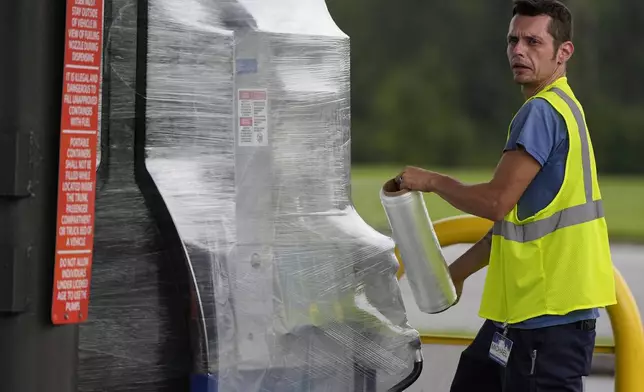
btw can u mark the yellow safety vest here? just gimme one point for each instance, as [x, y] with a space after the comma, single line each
[558, 260]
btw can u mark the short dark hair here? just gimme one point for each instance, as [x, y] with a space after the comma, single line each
[561, 26]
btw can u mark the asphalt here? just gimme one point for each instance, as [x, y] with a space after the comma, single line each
[462, 320]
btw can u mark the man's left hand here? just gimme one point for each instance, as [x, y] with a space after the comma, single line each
[416, 179]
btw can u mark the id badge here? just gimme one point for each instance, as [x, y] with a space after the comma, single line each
[500, 349]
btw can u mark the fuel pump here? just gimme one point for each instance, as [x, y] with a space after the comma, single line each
[200, 234]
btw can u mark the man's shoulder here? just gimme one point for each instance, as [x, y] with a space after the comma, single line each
[540, 113]
[538, 128]
[538, 106]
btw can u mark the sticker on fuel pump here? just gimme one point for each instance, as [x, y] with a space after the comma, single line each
[252, 118]
[79, 130]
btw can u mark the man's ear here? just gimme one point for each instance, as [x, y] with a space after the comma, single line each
[565, 52]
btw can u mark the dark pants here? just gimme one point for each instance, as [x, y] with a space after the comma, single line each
[552, 359]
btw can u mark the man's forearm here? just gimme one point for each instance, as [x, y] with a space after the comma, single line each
[492, 200]
[480, 200]
[473, 260]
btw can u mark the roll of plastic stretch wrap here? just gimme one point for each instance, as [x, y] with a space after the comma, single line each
[420, 251]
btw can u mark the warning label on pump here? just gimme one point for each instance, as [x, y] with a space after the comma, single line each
[81, 105]
[252, 118]
[84, 32]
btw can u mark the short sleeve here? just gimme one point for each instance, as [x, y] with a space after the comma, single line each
[535, 129]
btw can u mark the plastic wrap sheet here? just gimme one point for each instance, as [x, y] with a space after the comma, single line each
[136, 338]
[228, 166]
[419, 248]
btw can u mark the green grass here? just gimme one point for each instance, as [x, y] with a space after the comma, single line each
[623, 199]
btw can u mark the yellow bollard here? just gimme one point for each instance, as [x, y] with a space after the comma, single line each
[629, 339]
[624, 316]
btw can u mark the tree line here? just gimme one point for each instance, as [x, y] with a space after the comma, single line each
[431, 84]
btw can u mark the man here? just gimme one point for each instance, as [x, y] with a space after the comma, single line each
[548, 258]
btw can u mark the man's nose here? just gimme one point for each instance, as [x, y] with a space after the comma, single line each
[518, 48]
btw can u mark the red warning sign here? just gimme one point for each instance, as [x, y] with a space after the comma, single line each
[78, 159]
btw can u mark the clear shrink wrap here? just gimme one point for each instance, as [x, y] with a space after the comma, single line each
[422, 255]
[136, 338]
[227, 243]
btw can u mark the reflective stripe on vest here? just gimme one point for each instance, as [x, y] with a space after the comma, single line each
[583, 213]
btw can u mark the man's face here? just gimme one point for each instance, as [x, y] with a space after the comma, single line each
[531, 51]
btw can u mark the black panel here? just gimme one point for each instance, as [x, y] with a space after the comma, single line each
[35, 355]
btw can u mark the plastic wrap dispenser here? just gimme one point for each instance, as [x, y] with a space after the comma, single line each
[414, 234]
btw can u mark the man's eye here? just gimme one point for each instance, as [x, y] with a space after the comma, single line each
[532, 41]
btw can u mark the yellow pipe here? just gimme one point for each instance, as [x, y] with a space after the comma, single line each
[629, 339]
[464, 229]
[625, 318]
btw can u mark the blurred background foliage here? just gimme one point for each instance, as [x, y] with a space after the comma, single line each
[431, 84]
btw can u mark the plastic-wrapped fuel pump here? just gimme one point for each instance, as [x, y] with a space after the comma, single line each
[225, 212]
